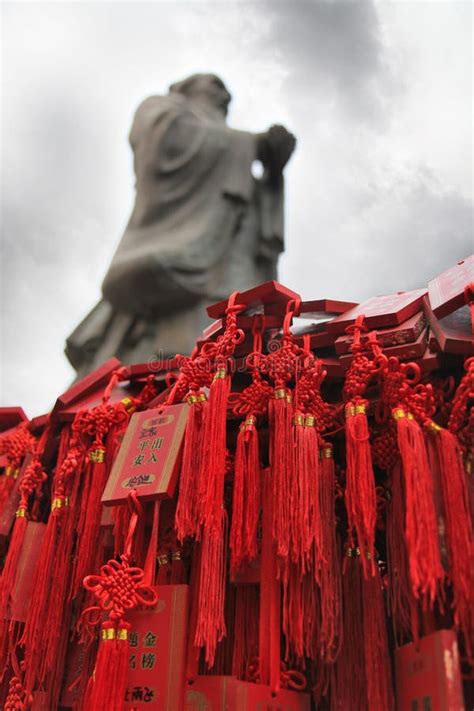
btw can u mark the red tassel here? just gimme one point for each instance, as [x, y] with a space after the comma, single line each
[210, 626]
[304, 504]
[110, 674]
[7, 580]
[376, 654]
[360, 495]
[400, 597]
[293, 612]
[91, 510]
[350, 686]
[270, 596]
[281, 464]
[246, 622]
[211, 476]
[328, 568]
[192, 650]
[43, 631]
[187, 513]
[312, 615]
[246, 496]
[421, 532]
[458, 528]
[31, 481]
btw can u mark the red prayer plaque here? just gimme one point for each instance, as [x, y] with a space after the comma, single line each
[446, 291]
[11, 417]
[216, 328]
[148, 458]
[37, 424]
[381, 311]
[429, 362]
[215, 693]
[269, 294]
[158, 368]
[157, 652]
[322, 308]
[84, 387]
[433, 344]
[453, 333]
[428, 674]
[406, 332]
[318, 338]
[404, 351]
[94, 398]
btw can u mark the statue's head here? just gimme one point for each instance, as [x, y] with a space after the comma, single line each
[206, 90]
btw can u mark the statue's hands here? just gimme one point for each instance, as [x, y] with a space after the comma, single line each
[275, 147]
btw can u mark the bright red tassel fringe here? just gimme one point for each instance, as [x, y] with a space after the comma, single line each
[421, 530]
[187, 514]
[107, 690]
[376, 653]
[210, 625]
[281, 465]
[360, 495]
[458, 527]
[246, 496]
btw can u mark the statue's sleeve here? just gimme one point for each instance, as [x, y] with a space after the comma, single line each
[188, 140]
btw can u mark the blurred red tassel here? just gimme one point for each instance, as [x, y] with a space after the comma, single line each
[360, 483]
[458, 527]
[421, 530]
[7, 580]
[328, 567]
[210, 625]
[110, 674]
[304, 490]
[246, 496]
[400, 597]
[350, 686]
[246, 622]
[187, 513]
[88, 526]
[293, 617]
[7, 484]
[282, 465]
[376, 653]
[211, 476]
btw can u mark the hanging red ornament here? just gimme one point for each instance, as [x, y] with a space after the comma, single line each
[119, 589]
[14, 445]
[360, 495]
[251, 403]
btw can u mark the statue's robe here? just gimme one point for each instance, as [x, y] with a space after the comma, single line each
[202, 227]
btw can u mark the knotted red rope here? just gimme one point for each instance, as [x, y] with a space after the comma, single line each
[14, 446]
[251, 403]
[118, 589]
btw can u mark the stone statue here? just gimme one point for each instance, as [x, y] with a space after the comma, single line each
[202, 226]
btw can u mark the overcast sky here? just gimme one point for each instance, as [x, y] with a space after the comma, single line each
[379, 191]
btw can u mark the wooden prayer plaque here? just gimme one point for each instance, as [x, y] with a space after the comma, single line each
[149, 456]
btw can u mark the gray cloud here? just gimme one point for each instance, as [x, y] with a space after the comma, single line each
[334, 54]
